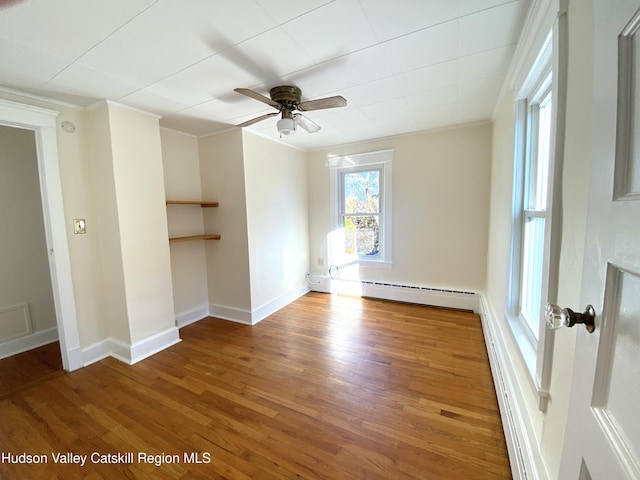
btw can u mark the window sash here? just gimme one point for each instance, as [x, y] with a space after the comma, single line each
[357, 241]
[382, 161]
[534, 216]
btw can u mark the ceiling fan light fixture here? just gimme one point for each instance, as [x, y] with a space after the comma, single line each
[286, 100]
[286, 126]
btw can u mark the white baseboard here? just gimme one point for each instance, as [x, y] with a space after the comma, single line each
[192, 316]
[153, 344]
[238, 315]
[133, 353]
[74, 359]
[437, 297]
[27, 342]
[252, 317]
[96, 352]
[276, 304]
[524, 453]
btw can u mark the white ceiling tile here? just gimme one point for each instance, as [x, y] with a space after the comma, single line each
[391, 20]
[360, 67]
[25, 65]
[208, 79]
[270, 55]
[426, 47]
[136, 66]
[335, 29]
[153, 45]
[231, 109]
[315, 82]
[80, 80]
[492, 28]
[478, 98]
[284, 10]
[489, 63]
[432, 98]
[439, 116]
[338, 117]
[467, 7]
[150, 102]
[230, 23]
[392, 108]
[373, 92]
[67, 28]
[487, 88]
[429, 78]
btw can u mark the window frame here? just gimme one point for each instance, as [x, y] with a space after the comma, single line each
[342, 173]
[546, 75]
[541, 90]
[340, 165]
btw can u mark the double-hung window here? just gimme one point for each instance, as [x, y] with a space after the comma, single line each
[535, 236]
[361, 209]
[360, 212]
[535, 212]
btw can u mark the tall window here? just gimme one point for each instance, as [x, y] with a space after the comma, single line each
[535, 213]
[360, 211]
[535, 235]
[361, 208]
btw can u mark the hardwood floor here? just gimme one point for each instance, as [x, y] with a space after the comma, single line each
[23, 370]
[329, 388]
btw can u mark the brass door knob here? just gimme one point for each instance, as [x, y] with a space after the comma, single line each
[558, 317]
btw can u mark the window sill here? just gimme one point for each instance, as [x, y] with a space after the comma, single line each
[528, 349]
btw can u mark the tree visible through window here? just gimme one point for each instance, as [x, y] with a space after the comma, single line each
[361, 185]
[361, 212]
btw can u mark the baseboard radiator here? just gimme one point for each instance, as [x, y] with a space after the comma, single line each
[439, 297]
[524, 453]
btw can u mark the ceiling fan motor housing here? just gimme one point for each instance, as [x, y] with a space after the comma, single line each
[288, 96]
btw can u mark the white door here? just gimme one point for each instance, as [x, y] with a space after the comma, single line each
[603, 431]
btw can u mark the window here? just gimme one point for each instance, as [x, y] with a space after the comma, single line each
[360, 211]
[361, 208]
[535, 215]
[535, 236]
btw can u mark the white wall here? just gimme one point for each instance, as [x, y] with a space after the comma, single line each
[105, 225]
[140, 199]
[548, 428]
[261, 261]
[79, 189]
[24, 276]
[277, 218]
[180, 159]
[440, 207]
[222, 178]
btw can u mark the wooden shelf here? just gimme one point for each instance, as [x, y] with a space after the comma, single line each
[192, 202]
[194, 237]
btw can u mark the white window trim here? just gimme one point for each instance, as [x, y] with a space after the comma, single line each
[337, 165]
[537, 355]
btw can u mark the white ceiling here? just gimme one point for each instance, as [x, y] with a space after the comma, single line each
[403, 65]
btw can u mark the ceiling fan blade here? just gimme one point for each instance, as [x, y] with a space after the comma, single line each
[305, 123]
[258, 119]
[257, 96]
[319, 104]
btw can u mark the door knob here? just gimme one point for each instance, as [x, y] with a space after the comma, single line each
[558, 317]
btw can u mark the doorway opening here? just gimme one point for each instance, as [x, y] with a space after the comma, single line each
[42, 125]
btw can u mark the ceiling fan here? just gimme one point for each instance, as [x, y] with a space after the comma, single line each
[286, 99]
